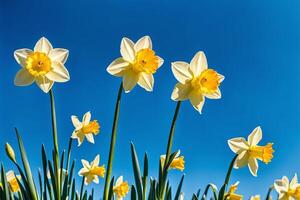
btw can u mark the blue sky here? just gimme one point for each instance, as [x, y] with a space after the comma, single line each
[255, 44]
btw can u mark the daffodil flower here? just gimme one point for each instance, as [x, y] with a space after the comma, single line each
[256, 197]
[12, 181]
[249, 151]
[288, 190]
[177, 163]
[92, 170]
[196, 81]
[44, 65]
[231, 195]
[121, 188]
[86, 128]
[137, 64]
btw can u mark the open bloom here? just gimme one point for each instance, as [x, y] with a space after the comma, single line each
[44, 65]
[256, 197]
[231, 195]
[196, 81]
[92, 170]
[121, 188]
[288, 190]
[248, 151]
[12, 181]
[86, 128]
[177, 163]
[137, 64]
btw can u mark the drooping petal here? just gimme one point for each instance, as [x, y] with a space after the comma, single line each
[79, 136]
[59, 55]
[253, 166]
[90, 138]
[117, 67]
[44, 83]
[237, 145]
[197, 100]
[181, 92]
[181, 71]
[43, 45]
[21, 55]
[198, 63]
[89, 179]
[127, 50]
[143, 43]
[59, 73]
[216, 95]
[130, 79]
[146, 81]
[119, 181]
[86, 118]
[77, 124]
[242, 160]
[255, 136]
[23, 78]
[96, 179]
[160, 61]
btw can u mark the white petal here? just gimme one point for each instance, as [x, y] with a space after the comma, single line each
[21, 55]
[119, 181]
[197, 100]
[127, 49]
[242, 160]
[143, 43]
[85, 163]
[23, 78]
[90, 138]
[181, 71]
[215, 95]
[59, 55]
[237, 145]
[160, 61]
[117, 67]
[96, 161]
[96, 179]
[86, 118]
[146, 81]
[253, 166]
[44, 83]
[80, 137]
[59, 73]
[198, 63]
[281, 186]
[181, 92]
[130, 79]
[77, 124]
[255, 137]
[221, 78]
[294, 182]
[43, 45]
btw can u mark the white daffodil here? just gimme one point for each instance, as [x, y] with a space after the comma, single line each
[12, 181]
[288, 190]
[92, 170]
[177, 163]
[231, 195]
[248, 151]
[44, 65]
[121, 188]
[86, 128]
[196, 81]
[137, 64]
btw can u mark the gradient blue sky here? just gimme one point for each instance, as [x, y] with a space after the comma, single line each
[255, 44]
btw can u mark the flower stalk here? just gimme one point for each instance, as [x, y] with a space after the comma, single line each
[112, 143]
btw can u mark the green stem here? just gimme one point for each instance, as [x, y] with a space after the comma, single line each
[55, 142]
[81, 188]
[112, 143]
[269, 192]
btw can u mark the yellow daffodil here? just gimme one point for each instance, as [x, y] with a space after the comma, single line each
[231, 195]
[92, 170]
[12, 181]
[44, 65]
[86, 128]
[288, 190]
[256, 197]
[177, 163]
[121, 188]
[248, 151]
[137, 64]
[196, 81]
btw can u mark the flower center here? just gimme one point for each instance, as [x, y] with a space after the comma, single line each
[178, 163]
[92, 127]
[207, 82]
[263, 153]
[14, 186]
[145, 61]
[38, 64]
[122, 189]
[98, 171]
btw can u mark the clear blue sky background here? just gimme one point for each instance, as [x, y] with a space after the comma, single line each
[255, 44]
